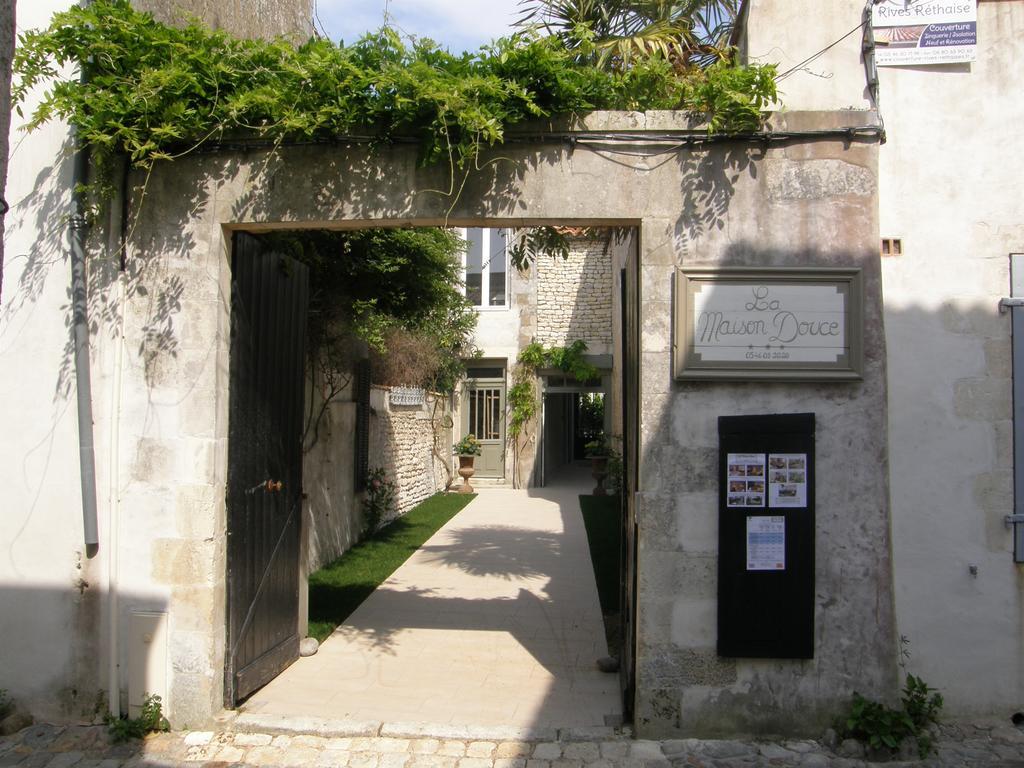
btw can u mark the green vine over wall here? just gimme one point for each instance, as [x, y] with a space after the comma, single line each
[523, 398]
[153, 92]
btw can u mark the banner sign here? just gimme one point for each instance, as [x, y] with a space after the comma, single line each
[768, 324]
[909, 32]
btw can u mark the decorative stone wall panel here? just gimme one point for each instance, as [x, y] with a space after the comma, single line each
[574, 295]
[402, 441]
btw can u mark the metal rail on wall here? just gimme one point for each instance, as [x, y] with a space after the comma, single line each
[1015, 306]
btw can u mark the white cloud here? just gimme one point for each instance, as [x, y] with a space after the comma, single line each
[457, 24]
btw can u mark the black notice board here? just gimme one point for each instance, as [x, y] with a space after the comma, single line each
[767, 611]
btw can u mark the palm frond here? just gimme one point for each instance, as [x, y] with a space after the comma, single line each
[684, 32]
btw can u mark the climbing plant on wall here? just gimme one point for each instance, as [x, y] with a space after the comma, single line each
[523, 396]
[152, 93]
[398, 291]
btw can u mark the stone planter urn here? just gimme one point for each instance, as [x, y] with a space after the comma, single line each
[599, 471]
[465, 472]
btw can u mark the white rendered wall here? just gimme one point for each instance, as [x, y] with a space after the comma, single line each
[497, 332]
[49, 590]
[160, 441]
[949, 187]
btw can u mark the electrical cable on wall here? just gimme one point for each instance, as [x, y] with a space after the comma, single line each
[812, 57]
[870, 66]
[322, 31]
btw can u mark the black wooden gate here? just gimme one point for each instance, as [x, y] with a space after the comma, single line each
[269, 297]
[630, 304]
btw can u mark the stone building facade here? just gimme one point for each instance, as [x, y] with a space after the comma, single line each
[574, 295]
[912, 458]
[555, 302]
[951, 219]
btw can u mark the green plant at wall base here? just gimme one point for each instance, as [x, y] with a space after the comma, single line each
[922, 703]
[613, 483]
[150, 720]
[883, 727]
[152, 93]
[6, 705]
[379, 501]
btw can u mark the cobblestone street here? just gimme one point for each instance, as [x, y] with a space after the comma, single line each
[316, 744]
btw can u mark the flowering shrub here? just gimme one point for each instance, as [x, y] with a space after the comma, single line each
[379, 502]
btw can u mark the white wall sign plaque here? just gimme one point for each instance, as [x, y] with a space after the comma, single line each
[782, 324]
[916, 32]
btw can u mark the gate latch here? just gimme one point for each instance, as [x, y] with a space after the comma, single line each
[270, 486]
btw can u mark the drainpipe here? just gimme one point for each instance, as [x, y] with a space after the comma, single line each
[80, 322]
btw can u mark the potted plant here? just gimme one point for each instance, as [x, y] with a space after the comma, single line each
[467, 449]
[597, 451]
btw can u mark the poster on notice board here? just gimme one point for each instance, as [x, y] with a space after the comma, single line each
[787, 479]
[766, 543]
[746, 480]
[917, 32]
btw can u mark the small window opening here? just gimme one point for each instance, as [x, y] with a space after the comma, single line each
[892, 246]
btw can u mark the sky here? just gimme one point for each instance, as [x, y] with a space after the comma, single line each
[460, 25]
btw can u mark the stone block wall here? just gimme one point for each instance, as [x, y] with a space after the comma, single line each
[574, 296]
[267, 19]
[805, 203]
[406, 441]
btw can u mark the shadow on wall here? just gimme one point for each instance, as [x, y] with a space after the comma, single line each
[154, 272]
[156, 248]
[56, 649]
[708, 181]
[328, 471]
[280, 188]
[855, 631]
[946, 510]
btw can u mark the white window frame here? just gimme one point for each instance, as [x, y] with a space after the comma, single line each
[485, 278]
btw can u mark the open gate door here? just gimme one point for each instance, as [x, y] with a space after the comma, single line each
[630, 304]
[269, 298]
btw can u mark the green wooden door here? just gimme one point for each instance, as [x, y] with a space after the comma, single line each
[483, 414]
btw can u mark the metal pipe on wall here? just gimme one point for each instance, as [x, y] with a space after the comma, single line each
[80, 328]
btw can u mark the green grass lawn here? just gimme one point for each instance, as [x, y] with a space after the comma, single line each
[603, 520]
[337, 589]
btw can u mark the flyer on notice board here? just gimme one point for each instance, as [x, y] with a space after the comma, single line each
[766, 543]
[746, 480]
[787, 479]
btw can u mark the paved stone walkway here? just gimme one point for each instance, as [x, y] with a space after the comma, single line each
[493, 621]
[47, 746]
